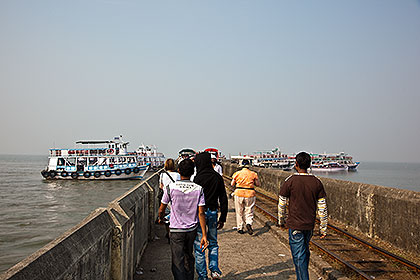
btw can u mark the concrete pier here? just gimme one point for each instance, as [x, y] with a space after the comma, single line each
[241, 256]
[118, 242]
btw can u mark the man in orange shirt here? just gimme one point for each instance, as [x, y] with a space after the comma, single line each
[245, 181]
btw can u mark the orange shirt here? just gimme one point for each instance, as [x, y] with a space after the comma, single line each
[244, 179]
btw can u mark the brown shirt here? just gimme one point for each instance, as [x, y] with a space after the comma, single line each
[303, 191]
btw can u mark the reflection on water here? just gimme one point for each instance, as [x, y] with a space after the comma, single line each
[34, 211]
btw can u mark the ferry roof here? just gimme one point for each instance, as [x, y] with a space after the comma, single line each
[96, 142]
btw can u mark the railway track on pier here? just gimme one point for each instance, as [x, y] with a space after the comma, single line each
[360, 258]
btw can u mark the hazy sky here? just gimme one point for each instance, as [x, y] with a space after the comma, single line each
[320, 76]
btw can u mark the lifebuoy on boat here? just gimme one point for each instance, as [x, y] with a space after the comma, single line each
[136, 170]
[97, 174]
[127, 171]
[86, 174]
[53, 173]
[111, 151]
[118, 172]
[74, 175]
[107, 173]
[64, 174]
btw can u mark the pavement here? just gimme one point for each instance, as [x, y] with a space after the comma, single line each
[259, 256]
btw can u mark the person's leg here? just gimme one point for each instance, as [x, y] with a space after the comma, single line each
[213, 247]
[200, 257]
[188, 252]
[178, 258]
[299, 251]
[249, 210]
[239, 212]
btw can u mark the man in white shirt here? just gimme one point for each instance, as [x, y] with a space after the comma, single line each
[217, 167]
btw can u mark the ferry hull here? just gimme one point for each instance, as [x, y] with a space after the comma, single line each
[334, 169]
[82, 175]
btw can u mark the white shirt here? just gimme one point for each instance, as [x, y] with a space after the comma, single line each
[218, 169]
[165, 180]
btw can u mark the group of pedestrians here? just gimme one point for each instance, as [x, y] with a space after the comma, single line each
[194, 217]
[195, 206]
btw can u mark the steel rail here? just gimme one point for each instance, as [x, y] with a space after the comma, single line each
[337, 258]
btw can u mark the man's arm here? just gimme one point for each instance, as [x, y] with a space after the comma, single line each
[323, 216]
[223, 201]
[202, 218]
[161, 213]
[281, 207]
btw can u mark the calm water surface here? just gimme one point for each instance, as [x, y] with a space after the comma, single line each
[34, 211]
[398, 175]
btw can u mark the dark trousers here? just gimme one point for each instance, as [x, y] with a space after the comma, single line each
[182, 254]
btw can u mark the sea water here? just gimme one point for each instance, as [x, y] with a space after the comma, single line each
[34, 211]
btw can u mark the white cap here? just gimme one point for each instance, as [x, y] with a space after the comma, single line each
[213, 156]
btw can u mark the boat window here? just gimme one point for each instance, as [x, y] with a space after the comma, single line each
[71, 162]
[102, 161]
[60, 161]
[93, 160]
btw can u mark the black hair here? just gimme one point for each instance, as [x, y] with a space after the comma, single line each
[303, 160]
[245, 162]
[186, 168]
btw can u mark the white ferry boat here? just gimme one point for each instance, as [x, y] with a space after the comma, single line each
[150, 154]
[333, 162]
[272, 159]
[328, 167]
[101, 160]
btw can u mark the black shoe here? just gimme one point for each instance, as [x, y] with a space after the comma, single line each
[249, 229]
[241, 231]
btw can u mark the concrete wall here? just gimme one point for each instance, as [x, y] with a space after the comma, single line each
[389, 214]
[108, 244]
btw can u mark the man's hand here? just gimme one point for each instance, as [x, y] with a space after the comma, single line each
[204, 243]
[220, 225]
[323, 236]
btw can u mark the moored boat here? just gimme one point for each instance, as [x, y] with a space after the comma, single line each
[339, 158]
[328, 167]
[93, 160]
[149, 154]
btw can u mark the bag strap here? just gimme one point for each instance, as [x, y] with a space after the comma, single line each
[167, 186]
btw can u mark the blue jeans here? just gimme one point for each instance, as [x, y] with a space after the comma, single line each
[213, 248]
[299, 245]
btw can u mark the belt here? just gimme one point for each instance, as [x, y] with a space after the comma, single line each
[242, 188]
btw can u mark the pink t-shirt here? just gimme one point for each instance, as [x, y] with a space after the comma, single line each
[185, 197]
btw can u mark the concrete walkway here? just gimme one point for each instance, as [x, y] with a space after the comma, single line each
[241, 256]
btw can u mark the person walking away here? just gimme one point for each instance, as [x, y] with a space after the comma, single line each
[306, 194]
[164, 180]
[188, 207]
[216, 166]
[245, 181]
[215, 196]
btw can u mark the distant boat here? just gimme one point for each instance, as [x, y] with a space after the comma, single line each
[272, 159]
[149, 154]
[94, 160]
[339, 158]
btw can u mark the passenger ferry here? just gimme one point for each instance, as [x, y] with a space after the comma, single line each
[93, 160]
[150, 154]
[272, 159]
[333, 162]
